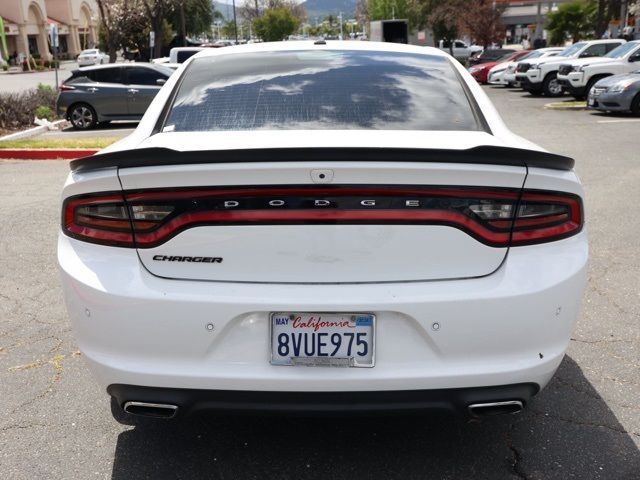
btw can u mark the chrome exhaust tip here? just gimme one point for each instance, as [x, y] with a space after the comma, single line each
[495, 408]
[156, 410]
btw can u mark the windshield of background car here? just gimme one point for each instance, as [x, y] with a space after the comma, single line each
[321, 90]
[622, 50]
[572, 49]
[531, 55]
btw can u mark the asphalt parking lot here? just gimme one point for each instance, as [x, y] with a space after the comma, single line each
[55, 423]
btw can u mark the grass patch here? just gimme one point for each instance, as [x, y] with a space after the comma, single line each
[91, 143]
[567, 105]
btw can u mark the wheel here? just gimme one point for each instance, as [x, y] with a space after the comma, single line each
[550, 86]
[101, 61]
[82, 116]
[635, 105]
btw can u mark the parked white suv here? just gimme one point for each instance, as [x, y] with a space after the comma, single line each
[460, 49]
[540, 76]
[505, 73]
[578, 76]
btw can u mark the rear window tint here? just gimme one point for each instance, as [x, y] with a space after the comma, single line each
[325, 90]
[184, 55]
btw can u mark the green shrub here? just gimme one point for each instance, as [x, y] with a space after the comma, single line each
[44, 111]
[47, 64]
[17, 110]
[5, 67]
[45, 89]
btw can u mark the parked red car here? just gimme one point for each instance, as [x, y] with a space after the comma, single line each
[481, 71]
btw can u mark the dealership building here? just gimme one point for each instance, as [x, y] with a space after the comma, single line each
[27, 24]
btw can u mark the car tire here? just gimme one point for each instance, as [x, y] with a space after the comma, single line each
[588, 88]
[550, 85]
[635, 105]
[82, 116]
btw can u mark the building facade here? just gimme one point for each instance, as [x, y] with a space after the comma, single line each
[27, 24]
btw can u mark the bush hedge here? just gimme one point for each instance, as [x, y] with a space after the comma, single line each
[18, 110]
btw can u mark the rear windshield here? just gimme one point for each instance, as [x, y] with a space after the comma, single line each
[184, 55]
[321, 90]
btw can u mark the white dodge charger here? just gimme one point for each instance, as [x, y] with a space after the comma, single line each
[322, 227]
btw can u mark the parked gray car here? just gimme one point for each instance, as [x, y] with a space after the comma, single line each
[111, 92]
[617, 93]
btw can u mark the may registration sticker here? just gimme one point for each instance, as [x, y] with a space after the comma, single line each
[323, 339]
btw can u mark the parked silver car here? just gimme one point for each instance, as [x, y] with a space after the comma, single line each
[111, 92]
[617, 93]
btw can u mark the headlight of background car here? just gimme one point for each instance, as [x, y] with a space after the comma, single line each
[619, 87]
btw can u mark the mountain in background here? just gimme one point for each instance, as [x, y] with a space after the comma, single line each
[226, 9]
[314, 8]
[322, 8]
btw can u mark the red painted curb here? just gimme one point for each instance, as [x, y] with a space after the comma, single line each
[44, 153]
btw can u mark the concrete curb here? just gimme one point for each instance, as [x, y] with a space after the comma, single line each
[44, 153]
[31, 132]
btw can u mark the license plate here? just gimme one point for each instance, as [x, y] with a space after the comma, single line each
[592, 102]
[323, 339]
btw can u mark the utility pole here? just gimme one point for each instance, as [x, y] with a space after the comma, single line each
[340, 17]
[183, 27]
[235, 23]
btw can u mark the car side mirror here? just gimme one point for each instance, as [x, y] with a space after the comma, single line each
[585, 55]
[161, 81]
[635, 58]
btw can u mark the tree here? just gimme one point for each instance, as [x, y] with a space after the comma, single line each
[156, 11]
[442, 17]
[386, 9]
[575, 20]
[121, 21]
[275, 24]
[482, 21]
[198, 16]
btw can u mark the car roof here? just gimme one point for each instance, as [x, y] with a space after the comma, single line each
[186, 49]
[328, 45]
[604, 40]
[116, 65]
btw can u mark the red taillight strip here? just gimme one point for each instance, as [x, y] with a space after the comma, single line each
[268, 191]
[107, 237]
[249, 217]
[118, 231]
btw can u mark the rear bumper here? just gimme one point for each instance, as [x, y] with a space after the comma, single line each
[455, 400]
[510, 327]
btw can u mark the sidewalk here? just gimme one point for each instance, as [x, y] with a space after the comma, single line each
[18, 82]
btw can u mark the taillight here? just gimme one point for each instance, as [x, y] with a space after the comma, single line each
[546, 216]
[496, 217]
[65, 88]
[106, 219]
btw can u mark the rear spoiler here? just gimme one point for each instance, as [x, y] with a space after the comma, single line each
[485, 155]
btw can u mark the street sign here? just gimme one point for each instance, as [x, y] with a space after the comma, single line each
[53, 36]
[152, 39]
